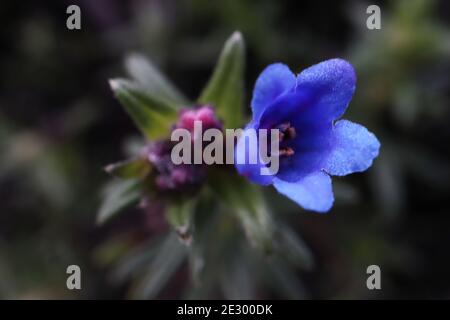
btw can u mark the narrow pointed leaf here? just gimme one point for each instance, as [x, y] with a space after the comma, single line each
[180, 214]
[247, 202]
[225, 89]
[136, 168]
[237, 281]
[117, 196]
[151, 114]
[152, 80]
[164, 264]
[137, 259]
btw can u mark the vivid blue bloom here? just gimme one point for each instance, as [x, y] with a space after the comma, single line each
[314, 143]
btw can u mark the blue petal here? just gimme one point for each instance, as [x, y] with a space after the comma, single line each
[276, 79]
[313, 192]
[333, 83]
[354, 149]
[311, 148]
[242, 151]
[288, 107]
[312, 142]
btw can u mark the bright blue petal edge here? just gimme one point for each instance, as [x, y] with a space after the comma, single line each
[313, 192]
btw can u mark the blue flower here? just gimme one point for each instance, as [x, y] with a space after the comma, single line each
[314, 144]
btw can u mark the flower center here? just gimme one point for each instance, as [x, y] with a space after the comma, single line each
[287, 133]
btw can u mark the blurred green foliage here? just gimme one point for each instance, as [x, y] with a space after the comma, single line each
[60, 125]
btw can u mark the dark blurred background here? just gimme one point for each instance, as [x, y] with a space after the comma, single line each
[60, 124]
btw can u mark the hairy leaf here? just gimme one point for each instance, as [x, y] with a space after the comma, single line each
[117, 196]
[247, 202]
[136, 168]
[226, 87]
[152, 80]
[152, 114]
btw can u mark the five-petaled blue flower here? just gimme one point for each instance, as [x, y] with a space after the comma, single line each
[313, 143]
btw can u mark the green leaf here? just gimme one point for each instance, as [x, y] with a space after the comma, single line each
[136, 168]
[247, 202]
[137, 259]
[117, 196]
[152, 80]
[225, 89]
[152, 114]
[238, 280]
[180, 214]
[164, 264]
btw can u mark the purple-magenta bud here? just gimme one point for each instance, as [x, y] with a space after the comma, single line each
[171, 177]
[205, 114]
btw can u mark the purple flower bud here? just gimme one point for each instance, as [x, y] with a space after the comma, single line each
[171, 177]
[205, 114]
